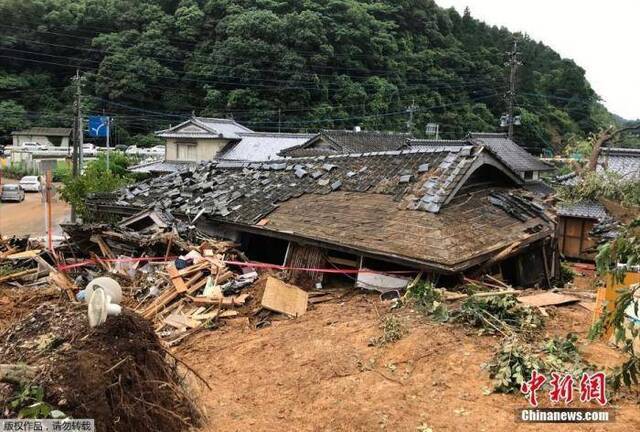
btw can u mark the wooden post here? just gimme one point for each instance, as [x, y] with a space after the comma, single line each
[49, 212]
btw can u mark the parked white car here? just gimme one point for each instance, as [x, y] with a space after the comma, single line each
[34, 146]
[132, 150]
[156, 150]
[89, 149]
[30, 184]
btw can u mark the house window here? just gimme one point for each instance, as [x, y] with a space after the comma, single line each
[187, 152]
[528, 175]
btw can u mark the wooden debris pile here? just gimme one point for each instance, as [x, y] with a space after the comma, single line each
[187, 298]
[24, 263]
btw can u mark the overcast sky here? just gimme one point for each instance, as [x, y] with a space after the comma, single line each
[601, 36]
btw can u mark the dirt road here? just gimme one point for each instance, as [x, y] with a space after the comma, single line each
[28, 217]
[318, 373]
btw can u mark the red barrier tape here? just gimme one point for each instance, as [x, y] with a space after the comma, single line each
[236, 263]
[109, 260]
[314, 270]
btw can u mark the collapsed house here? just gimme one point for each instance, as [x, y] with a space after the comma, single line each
[443, 211]
[577, 219]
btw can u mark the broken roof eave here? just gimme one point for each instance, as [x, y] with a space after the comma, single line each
[484, 157]
[384, 256]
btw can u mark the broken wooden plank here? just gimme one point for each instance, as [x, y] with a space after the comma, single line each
[321, 299]
[498, 281]
[590, 306]
[30, 254]
[284, 298]
[193, 268]
[547, 299]
[229, 301]
[228, 314]
[176, 279]
[62, 281]
[179, 320]
[18, 275]
[104, 248]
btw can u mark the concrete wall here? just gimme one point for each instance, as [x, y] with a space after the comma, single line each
[203, 149]
[18, 140]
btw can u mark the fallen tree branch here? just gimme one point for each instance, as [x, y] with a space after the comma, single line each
[17, 373]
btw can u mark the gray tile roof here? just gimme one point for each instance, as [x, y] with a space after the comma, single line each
[583, 209]
[349, 141]
[515, 156]
[205, 127]
[245, 192]
[262, 146]
[437, 142]
[623, 161]
[44, 131]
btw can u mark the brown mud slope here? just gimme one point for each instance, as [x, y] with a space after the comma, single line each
[117, 373]
[318, 373]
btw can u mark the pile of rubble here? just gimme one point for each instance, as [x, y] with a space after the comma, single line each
[119, 374]
[170, 273]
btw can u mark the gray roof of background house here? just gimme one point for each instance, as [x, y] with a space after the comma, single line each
[205, 127]
[623, 161]
[515, 156]
[44, 131]
[262, 146]
[350, 141]
[583, 209]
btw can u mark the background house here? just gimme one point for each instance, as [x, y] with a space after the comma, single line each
[527, 166]
[575, 220]
[347, 141]
[200, 138]
[51, 137]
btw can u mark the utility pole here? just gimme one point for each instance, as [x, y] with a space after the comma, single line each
[513, 64]
[76, 156]
[108, 136]
[411, 109]
[279, 119]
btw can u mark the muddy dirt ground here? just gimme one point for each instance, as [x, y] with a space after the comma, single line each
[318, 373]
[28, 217]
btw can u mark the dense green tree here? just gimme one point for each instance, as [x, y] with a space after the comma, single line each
[283, 64]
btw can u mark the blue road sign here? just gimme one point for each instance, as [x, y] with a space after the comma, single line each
[98, 126]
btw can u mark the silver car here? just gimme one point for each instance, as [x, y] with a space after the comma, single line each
[12, 192]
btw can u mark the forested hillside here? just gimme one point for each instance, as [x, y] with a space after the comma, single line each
[287, 65]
